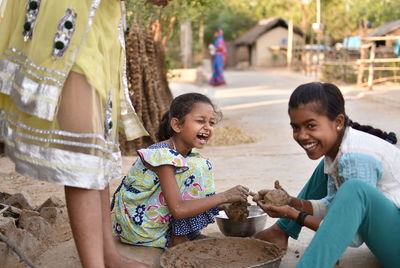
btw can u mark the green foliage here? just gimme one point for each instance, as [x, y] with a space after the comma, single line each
[237, 16]
[232, 22]
[143, 12]
[341, 18]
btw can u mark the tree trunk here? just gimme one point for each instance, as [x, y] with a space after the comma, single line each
[186, 43]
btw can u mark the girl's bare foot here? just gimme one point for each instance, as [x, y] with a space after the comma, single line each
[177, 239]
[201, 236]
[275, 235]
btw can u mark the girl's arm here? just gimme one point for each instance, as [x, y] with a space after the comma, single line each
[181, 209]
[289, 212]
[301, 205]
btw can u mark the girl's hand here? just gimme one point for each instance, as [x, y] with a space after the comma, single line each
[279, 211]
[259, 196]
[235, 194]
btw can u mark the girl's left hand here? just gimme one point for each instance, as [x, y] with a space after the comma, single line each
[238, 193]
[279, 211]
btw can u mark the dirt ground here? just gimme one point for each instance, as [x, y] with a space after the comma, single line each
[266, 153]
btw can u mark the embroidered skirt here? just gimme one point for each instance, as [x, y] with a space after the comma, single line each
[63, 90]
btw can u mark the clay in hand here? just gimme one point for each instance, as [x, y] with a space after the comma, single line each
[259, 196]
[237, 211]
[276, 197]
[236, 194]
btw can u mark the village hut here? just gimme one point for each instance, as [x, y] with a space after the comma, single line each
[387, 39]
[259, 46]
[388, 29]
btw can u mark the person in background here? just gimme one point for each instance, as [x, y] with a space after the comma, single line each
[169, 196]
[353, 196]
[218, 60]
[63, 98]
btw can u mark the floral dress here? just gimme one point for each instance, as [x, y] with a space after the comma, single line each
[141, 213]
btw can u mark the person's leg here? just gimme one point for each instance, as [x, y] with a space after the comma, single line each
[219, 71]
[380, 229]
[357, 207]
[112, 258]
[84, 211]
[110, 250]
[316, 188]
[84, 205]
[214, 70]
[80, 112]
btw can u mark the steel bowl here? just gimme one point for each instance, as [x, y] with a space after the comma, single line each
[254, 223]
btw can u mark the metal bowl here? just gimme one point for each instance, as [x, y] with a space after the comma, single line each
[254, 223]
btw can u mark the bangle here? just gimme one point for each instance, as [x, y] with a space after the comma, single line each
[301, 217]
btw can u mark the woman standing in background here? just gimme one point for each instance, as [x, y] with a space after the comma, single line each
[219, 60]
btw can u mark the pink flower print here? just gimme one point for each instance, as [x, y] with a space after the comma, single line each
[198, 186]
[152, 212]
[152, 207]
[164, 219]
[193, 192]
[188, 196]
[161, 199]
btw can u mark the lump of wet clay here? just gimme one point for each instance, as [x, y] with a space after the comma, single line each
[237, 211]
[276, 197]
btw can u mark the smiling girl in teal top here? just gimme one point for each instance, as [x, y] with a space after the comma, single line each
[353, 195]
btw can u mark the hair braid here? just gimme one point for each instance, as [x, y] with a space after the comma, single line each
[389, 137]
[164, 129]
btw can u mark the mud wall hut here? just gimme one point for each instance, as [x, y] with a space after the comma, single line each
[253, 48]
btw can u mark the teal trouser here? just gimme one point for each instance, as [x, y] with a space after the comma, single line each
[357, 207]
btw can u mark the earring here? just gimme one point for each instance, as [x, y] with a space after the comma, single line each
[338, 128]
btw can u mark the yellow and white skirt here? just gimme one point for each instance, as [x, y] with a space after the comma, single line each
[63, 90]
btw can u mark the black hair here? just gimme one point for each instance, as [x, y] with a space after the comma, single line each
[180, 107]
[330, 102]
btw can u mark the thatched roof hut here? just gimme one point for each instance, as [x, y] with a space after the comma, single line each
[253, 47]
[263, 26]
[391, 28]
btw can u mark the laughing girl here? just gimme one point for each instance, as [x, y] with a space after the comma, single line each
[169, 195]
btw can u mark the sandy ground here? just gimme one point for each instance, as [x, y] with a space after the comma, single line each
[259, 108]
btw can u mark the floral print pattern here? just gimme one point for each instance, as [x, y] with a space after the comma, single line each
[138, 217]
[141, 212]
